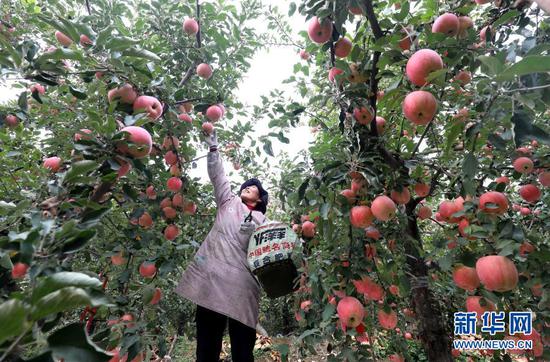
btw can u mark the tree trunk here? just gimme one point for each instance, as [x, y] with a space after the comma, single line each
[433, 331]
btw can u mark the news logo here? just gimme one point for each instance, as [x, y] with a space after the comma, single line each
[465, 324]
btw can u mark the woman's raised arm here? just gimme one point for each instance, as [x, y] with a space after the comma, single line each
[222, 187]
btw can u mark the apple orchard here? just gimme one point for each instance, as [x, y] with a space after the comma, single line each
[424, 193]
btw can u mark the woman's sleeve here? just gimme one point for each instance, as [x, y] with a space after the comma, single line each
[222, 188]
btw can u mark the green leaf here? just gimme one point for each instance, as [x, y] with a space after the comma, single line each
[78, 169]
[61, 280]
[268, 148]
[13, 319]
[505, 18]
[291, 8]
[77, 93]
[65, 299]
[118, 43]
[72, 344]
[528, 65]
[405, 9]
[22, 101]
[141, 53]
[58, 54]
[469, 166]
[493, 64]
[78, 241]
[328, 312]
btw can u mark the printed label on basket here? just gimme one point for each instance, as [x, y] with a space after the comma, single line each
[269, 243]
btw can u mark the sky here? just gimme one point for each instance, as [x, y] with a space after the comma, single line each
[268, 68]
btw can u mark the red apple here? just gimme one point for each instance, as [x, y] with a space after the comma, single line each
[214, 113]
[157, 294]
[190, 26]
[420, 107]
[497, 272]
[523, 165]
[136, 142]
[11, 121]
[447, 24]
[350, 311]
[147, 269]
[342, 47]
[85, 40]
[52, 163]
[493, 202]
[208, 127]
[319, 33]
[466, 278]
[204, 71]
[63, 39]
[363, 115]
[530, 193]
[174, 184]
[421, 64]
[171, 232]
[401, 197]
[19, 270]
[308, 229]
[387, 320]
[383, 208]
[361, 216]
[149, 105]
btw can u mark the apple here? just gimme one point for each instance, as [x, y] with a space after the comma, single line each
[190, 26]
[523, 165]
[157, 294]
[118, 259]
[363, 115]
[149, 105]
[462, 225]
[187, 107]
[355, 10]
[526, 248]
[380, 123]
[185, 117]
[449, 207]
[177, 200]
[170, 142]
[174, 184]
[208, 127]
[530, 193]
[350, 312]
[19, 270]
[349, 195]
[483, 33]
[85, 40]
[493, 202]
[145, 220]
[421, 64]
[357, 75]
[342, 47]
[308, 229]
[387, 320]
[82, 134]
[473, 304]
[424, 212]
[447, 24]
[361, 216]
[52, 163]
[63, 39]
[319, 33]
[332, 73]
[124, 168]
[466, 278]
[464, 23]
[497, 273]
[401, 197]
[463, 77]
[420, 107]
[136, 142]
[407, 38]
[502, 180]
[304, 55]
[214, 113]
[147, 269]
[170, 158]
[204, 71]
[383, 208]
[150, 192]
[544, 178]
[372, 232]
[171, 232]
[422, 189]
[11, 121]
[189, 208]
[169, 212]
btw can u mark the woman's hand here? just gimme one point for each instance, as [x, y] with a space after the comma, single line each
[211, 140]
[247, 227]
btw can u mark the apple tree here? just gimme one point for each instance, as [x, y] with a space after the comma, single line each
[425, 192]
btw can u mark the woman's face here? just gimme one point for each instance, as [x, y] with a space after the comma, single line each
[250, 194]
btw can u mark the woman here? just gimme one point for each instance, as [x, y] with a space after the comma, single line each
[218, 280]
